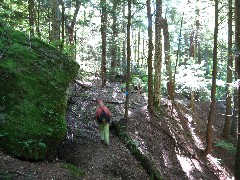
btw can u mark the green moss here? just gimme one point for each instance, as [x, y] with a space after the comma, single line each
[33, 80]
[74, 170]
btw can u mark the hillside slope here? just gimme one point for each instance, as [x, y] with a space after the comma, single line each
[172, 141]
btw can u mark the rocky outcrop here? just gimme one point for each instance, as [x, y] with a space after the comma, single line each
[34, 77]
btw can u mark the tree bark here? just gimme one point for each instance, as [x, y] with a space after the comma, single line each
[234, 124]
[38, 19]
[128, 59]
[229, 74]
[71, 26]
[63, 24]
[124, 40]
[237, 42]
[32, 14]
[192, 44]
[213, 88]
[55, 34]
[186, 49]
[104, 41]
[138, 48]
[114, 35]
[149, 60]
[158, 54]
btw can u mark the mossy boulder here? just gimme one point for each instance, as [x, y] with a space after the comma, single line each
[34, 77]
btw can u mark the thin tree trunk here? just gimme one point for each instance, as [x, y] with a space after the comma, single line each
[138, 48]
[49, 24]
[213, 89]
[237, 59]
[158, 54]
[149, 60]
[135, 47]
[143, 51]
[124, 40]
[63, 25]
[234, 124]
[176, 63]
[71, 26]
[128, 59]
[38, 19]
[186, 49]
[199, 53]
[114, 35]
[191, 45]
[31, 10]
[55, 34]
[229, 74]
[104, 41]
[167, 58]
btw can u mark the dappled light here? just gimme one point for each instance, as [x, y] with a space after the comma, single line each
[119, 89]
[191, 126]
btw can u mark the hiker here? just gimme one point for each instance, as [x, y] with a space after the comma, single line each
[139, 92]
[103, 119]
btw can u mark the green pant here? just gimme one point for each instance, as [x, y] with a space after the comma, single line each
[104, 132]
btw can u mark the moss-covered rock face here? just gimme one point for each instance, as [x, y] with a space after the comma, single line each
[34, 78]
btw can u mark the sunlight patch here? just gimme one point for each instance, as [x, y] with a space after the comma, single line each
[196, 139]
[186, 164]
[216, 165]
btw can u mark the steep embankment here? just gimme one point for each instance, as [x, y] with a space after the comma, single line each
[34, 78]
[173, 142]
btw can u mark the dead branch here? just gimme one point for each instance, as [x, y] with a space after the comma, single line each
[110, 102]
[83, 84]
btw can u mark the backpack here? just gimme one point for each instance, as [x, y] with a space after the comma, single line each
[103, 118]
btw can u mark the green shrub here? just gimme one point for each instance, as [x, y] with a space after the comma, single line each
[226, 145]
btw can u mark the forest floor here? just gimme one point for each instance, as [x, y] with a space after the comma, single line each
[173, 139]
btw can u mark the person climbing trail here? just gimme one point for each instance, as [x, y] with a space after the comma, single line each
[103, 119]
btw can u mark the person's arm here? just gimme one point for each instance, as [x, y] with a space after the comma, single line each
[109, 113]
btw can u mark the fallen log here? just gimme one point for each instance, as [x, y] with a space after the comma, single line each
[83, 84]
[110, 102]
[120, 129]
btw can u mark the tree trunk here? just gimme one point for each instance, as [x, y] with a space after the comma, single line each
[31, 10]
[104, 41]
[213, 88]
[192, 44]
[158, 54]
[149, 60]
[128, 59]
[167, 58]
[234, 124]
[63, 24]
[177, 59]
[229, 74]
[55, 34]
[38, 19]
[71, 26]
[49, 24]
[186, 49]
[124, 40]
[114, 35]
[143, 51]
[237, 42]
[138, 48]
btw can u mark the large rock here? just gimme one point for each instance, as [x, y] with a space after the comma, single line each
[34, 77]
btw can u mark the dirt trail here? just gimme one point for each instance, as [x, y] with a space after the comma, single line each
[174, 145]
